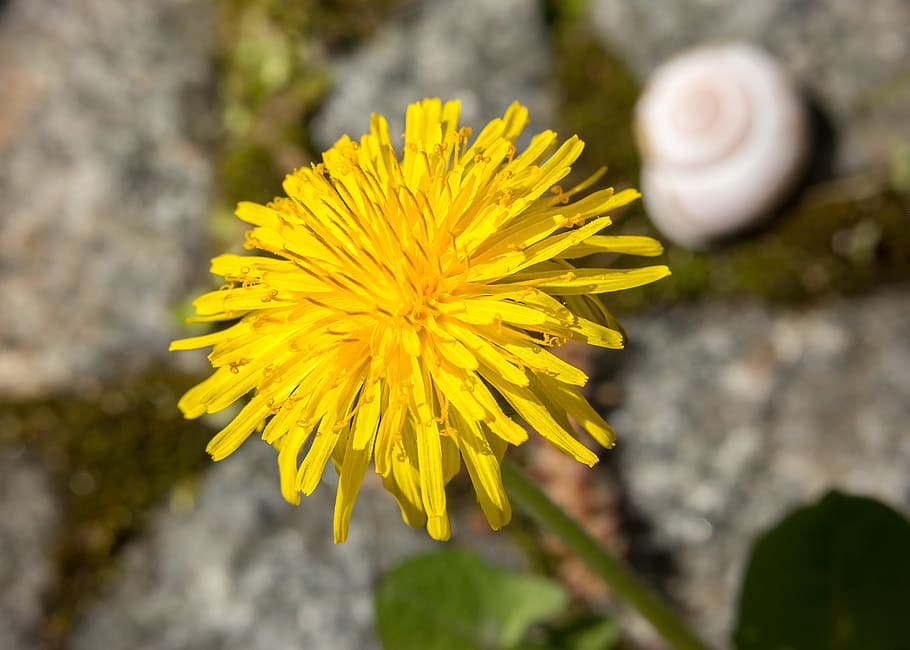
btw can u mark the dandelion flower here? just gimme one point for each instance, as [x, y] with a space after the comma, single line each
[401, 303]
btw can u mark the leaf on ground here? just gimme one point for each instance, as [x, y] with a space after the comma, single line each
[833, 575]
[452, 600]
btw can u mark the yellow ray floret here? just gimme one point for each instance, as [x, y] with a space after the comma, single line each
[400, 302]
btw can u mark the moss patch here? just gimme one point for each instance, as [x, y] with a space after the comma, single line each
[113, 451]
[826, 245]
[842, 237]
[597, 95]
[273, 74]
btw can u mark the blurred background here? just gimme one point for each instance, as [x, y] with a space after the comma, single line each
[772, 366]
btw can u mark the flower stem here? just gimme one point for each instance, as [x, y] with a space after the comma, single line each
[528, 495]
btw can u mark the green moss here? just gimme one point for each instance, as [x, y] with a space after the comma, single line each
[597, 95]
[113, 451]
[273, 76]
[835, 239]
[826, 244]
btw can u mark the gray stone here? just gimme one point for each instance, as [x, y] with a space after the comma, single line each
[852, 56]
[30, 517]
[734, 414]
[487, 53]
[236, 567]
[105, 182]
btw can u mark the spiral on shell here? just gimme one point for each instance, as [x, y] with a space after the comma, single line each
[724, 135]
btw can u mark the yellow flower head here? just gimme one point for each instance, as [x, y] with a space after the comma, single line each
[403, 301]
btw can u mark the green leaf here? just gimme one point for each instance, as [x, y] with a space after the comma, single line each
[835, 575]
[453, 601]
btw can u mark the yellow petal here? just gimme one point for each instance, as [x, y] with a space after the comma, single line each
[403, 481]
[258, 215]
[429, 448]
[313, 465]
[541, 360]
[289, 448]
[573, 402]
[238, 430]
[553, 246]
[450, 348]
[528, 406]
[366, 422]
[483, 467]
[333, 425]
[596, 334]
[583, 281]
[481, 311]
[495, 360]
[350, 477]
[627, 244]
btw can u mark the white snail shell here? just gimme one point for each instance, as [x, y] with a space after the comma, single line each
[724, 134]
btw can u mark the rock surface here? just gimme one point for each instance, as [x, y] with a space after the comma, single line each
[733, 415]
[851, 56]
[29, 517]
[239, 568]
[487, 53]
[105, 184]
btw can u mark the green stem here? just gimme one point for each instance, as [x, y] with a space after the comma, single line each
[527, 494]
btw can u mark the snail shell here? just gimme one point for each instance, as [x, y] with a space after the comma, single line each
[724, 134]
